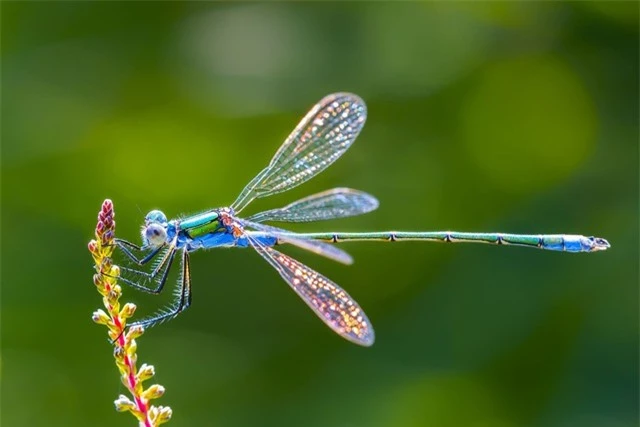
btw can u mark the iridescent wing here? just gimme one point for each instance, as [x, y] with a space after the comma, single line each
[330, 302]
[330, 204]
[315, 246]
[323, 135]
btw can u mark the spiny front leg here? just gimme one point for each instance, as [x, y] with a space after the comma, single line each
[128, 247]
[182, 302]
[164, 266]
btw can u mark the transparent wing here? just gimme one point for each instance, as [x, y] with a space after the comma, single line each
[330, 204]
[323, 135]
[330, 302]
[315, 246]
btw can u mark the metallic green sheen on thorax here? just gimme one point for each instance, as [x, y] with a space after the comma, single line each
[199, 225]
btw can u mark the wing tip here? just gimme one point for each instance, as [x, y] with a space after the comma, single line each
[367, 340]
[352, 97]
[364, 339]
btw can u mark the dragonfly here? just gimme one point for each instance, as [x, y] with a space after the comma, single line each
[321, 137]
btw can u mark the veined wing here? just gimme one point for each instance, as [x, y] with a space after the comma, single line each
[330, 204]
[315, 246]
[329, 301]
[323, 135]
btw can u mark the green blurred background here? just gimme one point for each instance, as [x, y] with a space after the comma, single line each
[506, 116]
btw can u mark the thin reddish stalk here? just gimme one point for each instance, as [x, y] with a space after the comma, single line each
[115, 319]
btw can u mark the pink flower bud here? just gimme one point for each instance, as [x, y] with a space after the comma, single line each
[145, 372]
[124, 404]
[163, 415]
[118, 352]
[153, 392]
[106, 264]
[112, 298]
[115, 271]
[127, 311]
[107, 236]
[101, 318]
[131, 347]
[135, 332]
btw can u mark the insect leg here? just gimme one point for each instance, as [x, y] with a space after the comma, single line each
[164, 266]
[128, 248]
[182, 302]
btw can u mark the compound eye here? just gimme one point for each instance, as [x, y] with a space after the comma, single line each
[155, 234]
[156, 216]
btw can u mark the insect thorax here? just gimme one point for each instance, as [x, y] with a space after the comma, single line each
[202, 224]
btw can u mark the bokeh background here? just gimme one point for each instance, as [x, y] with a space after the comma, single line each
[505, 116]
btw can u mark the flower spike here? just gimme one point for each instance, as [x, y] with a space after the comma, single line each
[115, 318]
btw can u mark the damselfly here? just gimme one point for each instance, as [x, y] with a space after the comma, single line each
[322, 136]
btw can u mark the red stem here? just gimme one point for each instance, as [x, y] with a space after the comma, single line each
[142, 407]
